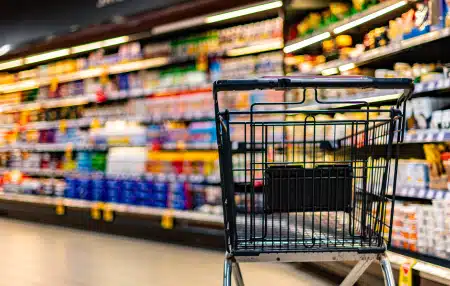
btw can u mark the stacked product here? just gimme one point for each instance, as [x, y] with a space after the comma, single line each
[423, 228]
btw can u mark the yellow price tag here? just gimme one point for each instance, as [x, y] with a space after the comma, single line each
[181, 145]
[96, 211]
[63, 126]
[167, 220]
[60, 209]
[95, 123]
[54, 84]
[104, 77]
[406, 270]
[108, 214]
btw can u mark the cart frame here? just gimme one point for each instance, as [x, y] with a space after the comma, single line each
[364, 255]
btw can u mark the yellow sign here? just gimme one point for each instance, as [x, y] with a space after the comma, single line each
[54, 84]
[96, 211]
[406, 277]
[60, 209]
[167, 220]
[108, 214]
[63, 126]
[95, 123]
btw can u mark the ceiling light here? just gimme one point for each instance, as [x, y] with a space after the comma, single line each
[347, 67]
[47, 56]
[4, 49]
[369, 17]
[244, 11]
[11, 64]
[307, 42]
[273, 45]
[330, 71]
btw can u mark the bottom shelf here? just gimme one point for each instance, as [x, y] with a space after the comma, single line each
[185, 227]
[423, 257]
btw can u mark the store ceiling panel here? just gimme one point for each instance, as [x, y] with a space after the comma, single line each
[23, 21]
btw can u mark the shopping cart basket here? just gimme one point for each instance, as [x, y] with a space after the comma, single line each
[304, 188]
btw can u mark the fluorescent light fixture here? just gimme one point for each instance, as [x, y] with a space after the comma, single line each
[115, 41]
[369, 17]
[347, 67]
[179, 25]
[47, 56]
[86, 48]
[307, 42]
[243, 12]
[330, 71]
[21, 85]
[138, 65]
[270, 46]
[4, 50]
[11, 64]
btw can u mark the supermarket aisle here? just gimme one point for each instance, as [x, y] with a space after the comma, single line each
[38, 255]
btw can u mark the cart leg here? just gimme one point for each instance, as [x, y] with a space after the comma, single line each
[356, 272]
[237, 274]
[227, 272]
[387, 270]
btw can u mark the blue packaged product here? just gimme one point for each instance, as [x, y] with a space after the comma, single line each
[160, 196]
[98, 188]
[143, 193]
[160, 204]
[178, 205]
[123, 81]
[202, 132]
[84, 161]
[114, 187]
[84, 188]
[129, 191]
[71, 190]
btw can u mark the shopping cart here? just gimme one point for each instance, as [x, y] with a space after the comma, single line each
[300, 188]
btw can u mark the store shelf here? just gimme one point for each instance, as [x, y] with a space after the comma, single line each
[421, 193]
[381, 52]
[87, 121]
[122, 208]
[356, 20]
[383, 96]
[160, 177]
[93, 72]
[92, 98]
[189, 227]
[427, 136]
[431, 269]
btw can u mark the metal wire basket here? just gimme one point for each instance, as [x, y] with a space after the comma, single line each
[308, 185]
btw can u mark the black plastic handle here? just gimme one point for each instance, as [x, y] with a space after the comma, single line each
[313, 82]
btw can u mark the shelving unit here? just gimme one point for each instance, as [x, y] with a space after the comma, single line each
[379, 53]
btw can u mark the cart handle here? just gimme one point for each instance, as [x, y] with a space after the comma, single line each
[335, 82]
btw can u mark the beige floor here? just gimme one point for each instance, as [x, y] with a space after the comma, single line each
[38, 255]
